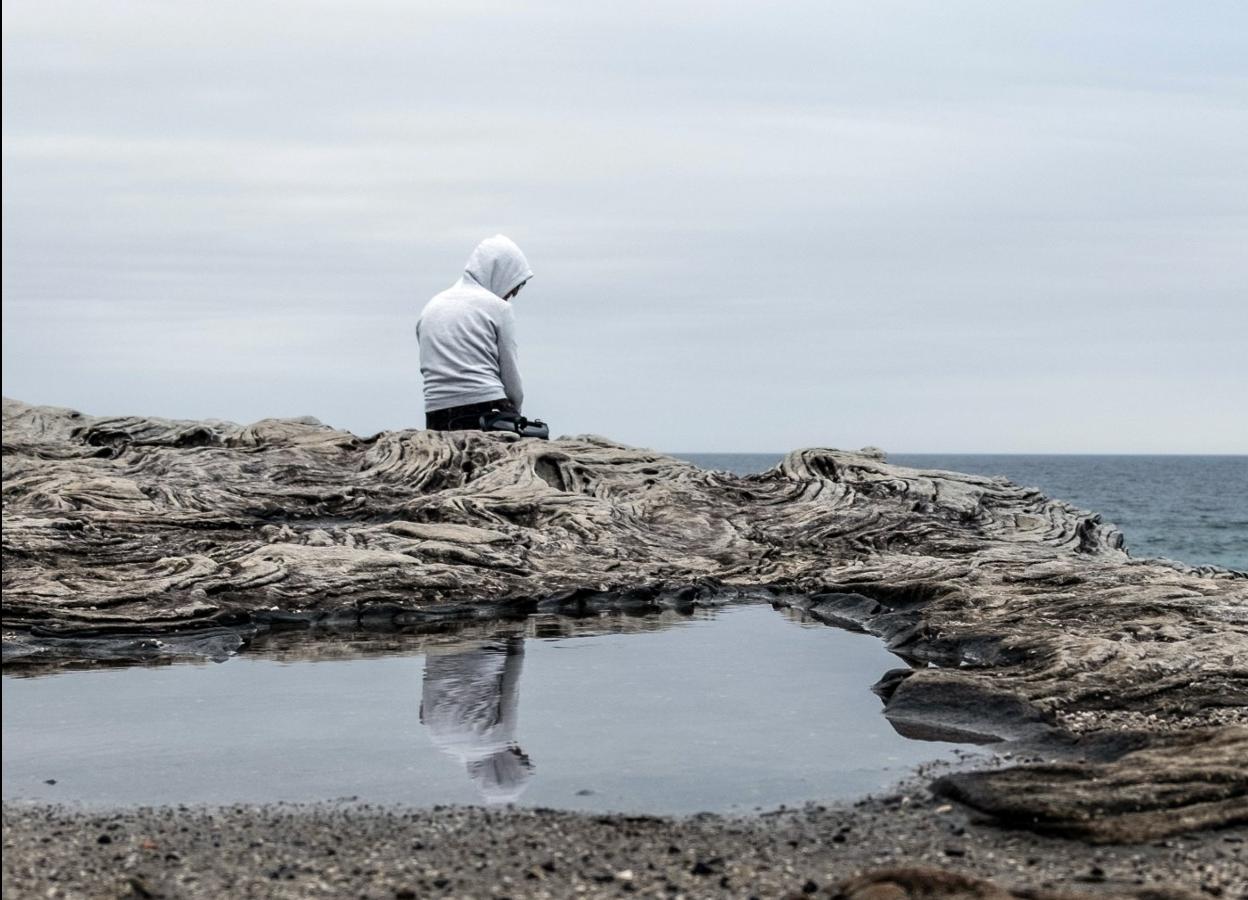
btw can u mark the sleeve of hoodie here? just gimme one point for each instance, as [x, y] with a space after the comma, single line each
[508, 364]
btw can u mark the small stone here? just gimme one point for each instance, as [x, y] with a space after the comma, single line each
[882, 891]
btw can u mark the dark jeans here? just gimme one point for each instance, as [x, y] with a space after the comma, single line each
[465, 418]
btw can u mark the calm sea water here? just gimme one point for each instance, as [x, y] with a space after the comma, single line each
[1190, 508]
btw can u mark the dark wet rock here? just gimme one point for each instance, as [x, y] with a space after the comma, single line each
[145, 540]
[936, 704]
[1172, 784]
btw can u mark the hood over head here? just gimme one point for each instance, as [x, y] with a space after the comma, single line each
[502, 776]
[498, 266]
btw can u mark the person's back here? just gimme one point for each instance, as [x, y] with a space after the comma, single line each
[467, 339]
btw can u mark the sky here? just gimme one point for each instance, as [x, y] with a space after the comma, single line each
[946, 227]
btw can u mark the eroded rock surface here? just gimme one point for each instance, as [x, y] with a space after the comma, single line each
[1171, 784]
[148, 537]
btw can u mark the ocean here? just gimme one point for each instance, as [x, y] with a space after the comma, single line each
[1189, 508]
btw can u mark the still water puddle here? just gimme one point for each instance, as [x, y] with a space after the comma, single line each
[729, 710]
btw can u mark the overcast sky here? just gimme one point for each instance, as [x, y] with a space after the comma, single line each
[935, 226]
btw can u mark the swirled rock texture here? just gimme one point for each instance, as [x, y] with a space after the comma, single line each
[1026, 618]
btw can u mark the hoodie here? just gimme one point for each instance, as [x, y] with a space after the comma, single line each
[467, 333]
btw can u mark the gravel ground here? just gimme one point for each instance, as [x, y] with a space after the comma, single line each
[376, 852]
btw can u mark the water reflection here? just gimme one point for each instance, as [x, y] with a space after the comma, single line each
[471, 689]
[468, 704]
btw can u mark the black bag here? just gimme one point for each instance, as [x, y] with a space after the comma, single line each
[501, 420]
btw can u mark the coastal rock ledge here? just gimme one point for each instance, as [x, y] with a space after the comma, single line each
[1025, 619]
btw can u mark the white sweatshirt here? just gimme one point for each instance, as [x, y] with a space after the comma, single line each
[467, 333]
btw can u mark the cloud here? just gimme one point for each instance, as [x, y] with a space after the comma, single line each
[816, 218]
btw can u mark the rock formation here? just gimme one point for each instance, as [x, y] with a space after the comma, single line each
[1025, 617]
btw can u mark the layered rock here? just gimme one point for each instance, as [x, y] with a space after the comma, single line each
[1026, 618]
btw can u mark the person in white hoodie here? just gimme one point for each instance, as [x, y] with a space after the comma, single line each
[468, 340]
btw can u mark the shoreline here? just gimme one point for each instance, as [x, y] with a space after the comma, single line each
[1024, 616]
[279, 850]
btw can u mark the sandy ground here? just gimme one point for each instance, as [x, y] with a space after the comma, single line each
[375, 852]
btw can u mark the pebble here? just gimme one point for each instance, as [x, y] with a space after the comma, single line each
[530, 853]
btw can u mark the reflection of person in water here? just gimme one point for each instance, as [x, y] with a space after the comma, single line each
[469, 706]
